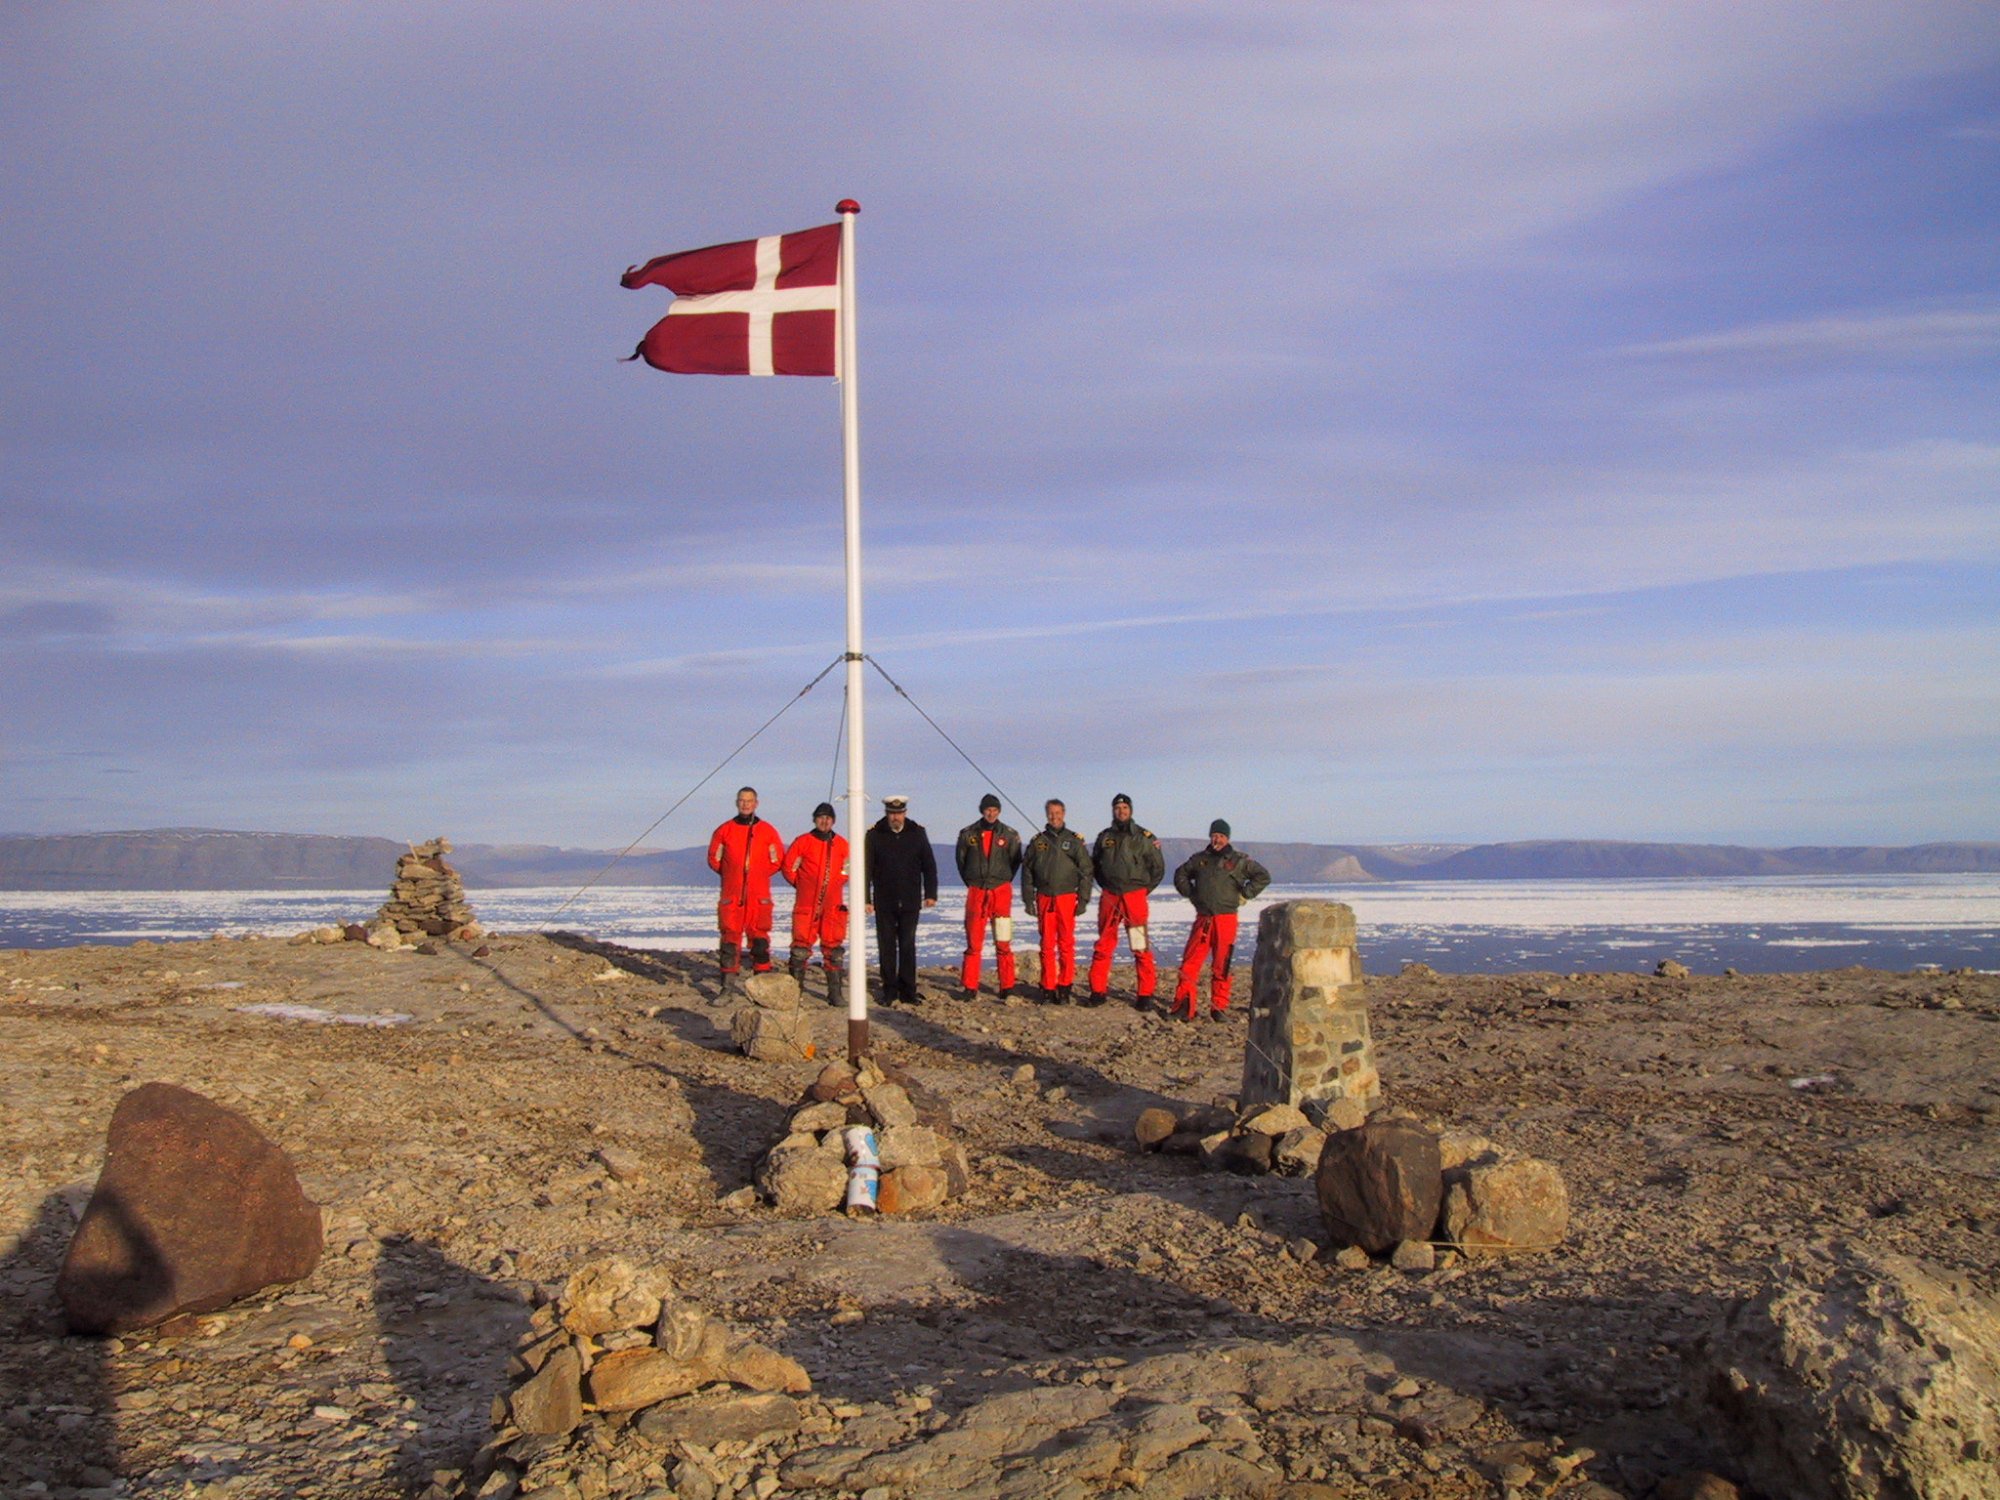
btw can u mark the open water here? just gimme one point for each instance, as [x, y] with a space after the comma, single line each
[1756, 924]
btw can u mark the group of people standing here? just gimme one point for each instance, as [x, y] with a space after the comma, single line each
[1057, 871]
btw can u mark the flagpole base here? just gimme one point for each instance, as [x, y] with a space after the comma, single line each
[857, 1041]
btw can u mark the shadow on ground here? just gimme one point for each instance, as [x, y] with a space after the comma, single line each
[446, 1337]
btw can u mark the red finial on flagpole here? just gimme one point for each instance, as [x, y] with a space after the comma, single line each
[847, 206]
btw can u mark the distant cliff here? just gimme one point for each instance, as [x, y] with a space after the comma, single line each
[170, 859]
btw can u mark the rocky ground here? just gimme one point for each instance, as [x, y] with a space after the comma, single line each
[1086, 1320]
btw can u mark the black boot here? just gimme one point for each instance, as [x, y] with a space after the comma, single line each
[836, 988]
[1096, 998]
[760, 954]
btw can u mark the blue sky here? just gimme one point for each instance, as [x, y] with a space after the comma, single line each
[1362, 422]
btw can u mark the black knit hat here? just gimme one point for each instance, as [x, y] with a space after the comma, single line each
[824, 810]
[989, 800]
[1121, 797]
[1218, 826]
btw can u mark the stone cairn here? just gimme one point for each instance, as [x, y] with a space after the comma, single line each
[428, 898]
[813, 1167]
[1389, 1185]
[1309, 1044]
[619, 1341]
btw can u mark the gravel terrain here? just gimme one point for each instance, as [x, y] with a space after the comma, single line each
[454, 1142]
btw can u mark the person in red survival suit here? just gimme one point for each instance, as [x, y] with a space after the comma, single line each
[816, 869]
[1128, 864]
[1217, 880]
[746, 852]
[989, 852]
[1055, 882]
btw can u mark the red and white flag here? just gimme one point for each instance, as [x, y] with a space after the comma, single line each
[756, 307]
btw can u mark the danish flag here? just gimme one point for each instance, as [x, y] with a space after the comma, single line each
[755, 307]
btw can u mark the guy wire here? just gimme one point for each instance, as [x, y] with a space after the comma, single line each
[904, 694]
[698, 786]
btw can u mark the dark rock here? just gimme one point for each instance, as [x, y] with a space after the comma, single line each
[1247, 1155]
[836, 1080]
[194, 1209]
[1380, 1185]
[354, 932]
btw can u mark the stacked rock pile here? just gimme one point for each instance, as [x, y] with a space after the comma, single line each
[1399, 1186]
[428, 898]
[919, 1164]
[619, 1341]
[772, 1027]
[1392, 1185]
[1260, 1138]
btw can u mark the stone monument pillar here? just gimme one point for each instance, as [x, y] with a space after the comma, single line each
[1309, 1041]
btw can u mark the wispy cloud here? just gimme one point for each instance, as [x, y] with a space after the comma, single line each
[1925, 333]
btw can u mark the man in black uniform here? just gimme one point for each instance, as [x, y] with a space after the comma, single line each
[902, 881]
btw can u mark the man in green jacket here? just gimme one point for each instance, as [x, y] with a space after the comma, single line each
[989, 852]
[1218, 880]
[1055, 881]
[1128, 864]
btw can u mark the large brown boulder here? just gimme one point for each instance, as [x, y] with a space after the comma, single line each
[1380, 1184]
[195, 1208]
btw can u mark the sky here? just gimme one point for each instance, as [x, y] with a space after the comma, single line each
[1362, 422]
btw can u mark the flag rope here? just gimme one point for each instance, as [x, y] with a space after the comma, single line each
[904, 693]
[697, 787]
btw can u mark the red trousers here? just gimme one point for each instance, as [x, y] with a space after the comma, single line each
[981, 907]
[1113, 913]
[1058, 919]
[748, 917]
[1217, 932]
[828, 928]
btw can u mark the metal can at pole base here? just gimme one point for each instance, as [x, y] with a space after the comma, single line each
[1003, 929]
[864, 1186]
[861, 1146]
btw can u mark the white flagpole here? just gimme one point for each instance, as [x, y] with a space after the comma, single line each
[857, 796]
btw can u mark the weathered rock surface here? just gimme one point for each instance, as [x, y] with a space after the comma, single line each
[1276, 1120]
[912, 1189]
[1379, 1185]
[1154, 1126]
[709, 1420]
[551, 1400]
[195, 1208]
[1858, 1374]
[608, 1295]
[1492, 1206]
[629, 1379]
[797, 1177]
[774, 989]
[1296, 1153]
[772, 1035]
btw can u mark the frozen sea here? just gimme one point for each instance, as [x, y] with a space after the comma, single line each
[1752, 923]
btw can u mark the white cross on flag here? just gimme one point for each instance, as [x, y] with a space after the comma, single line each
[756, 307]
